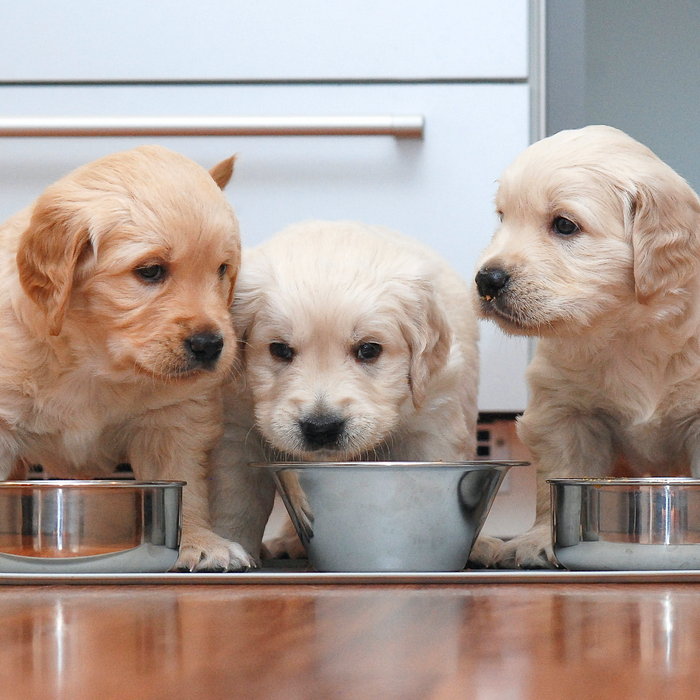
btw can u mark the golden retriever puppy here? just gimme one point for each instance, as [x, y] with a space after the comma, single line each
[115, 334]
[359, 344]
[598, 255]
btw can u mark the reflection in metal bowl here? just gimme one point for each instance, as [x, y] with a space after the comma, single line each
[626, 524]
[89, 526]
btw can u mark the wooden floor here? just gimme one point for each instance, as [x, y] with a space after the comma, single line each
[500, 641]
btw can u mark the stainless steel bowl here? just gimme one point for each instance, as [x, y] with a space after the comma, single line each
[89, 526]
[626, 524]
[388, 516]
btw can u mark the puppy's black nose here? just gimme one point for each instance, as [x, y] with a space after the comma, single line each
[490, 281]
[206, 347]
[322, 431]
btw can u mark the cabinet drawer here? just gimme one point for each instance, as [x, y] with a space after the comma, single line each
[439, 189]
[179, 40]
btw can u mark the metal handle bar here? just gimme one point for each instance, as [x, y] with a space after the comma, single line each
[399, 126]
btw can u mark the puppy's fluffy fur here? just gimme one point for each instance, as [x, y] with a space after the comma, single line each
[115, 332]
[360, 344]
[615, 302]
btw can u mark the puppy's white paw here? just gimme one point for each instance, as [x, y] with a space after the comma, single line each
[286, 546]
[533, 550]
[206, 551]
[485, 551]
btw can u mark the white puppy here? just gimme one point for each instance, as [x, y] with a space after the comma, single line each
[359, 344]
[598, 255]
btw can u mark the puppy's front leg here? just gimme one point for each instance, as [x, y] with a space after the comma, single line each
[241, 497]
[563, 443]
[173, 443]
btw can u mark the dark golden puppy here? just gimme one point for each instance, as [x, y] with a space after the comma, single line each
[114, 328]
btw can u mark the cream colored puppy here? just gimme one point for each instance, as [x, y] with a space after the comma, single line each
[598, 255]
[359, 344]
[114, 329]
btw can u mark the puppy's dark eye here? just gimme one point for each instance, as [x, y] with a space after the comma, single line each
[282, 351]
[222, 269]
[500, 215]
[151, 273]
[564, 227]
[368, 351]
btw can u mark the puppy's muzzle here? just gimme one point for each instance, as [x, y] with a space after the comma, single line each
[491, 281]
[205, 348]
[322, 431]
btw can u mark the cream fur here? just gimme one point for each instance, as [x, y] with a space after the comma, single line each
[324, 289]
[94, 367]
[616, 308]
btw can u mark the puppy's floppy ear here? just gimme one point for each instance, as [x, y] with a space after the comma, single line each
[222, 172]
[665, 235]
[47, 255]
[429, 337]
[247, 301]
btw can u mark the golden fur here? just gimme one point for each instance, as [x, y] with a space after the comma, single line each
[326, 290]
[615, 305]
[104, 283]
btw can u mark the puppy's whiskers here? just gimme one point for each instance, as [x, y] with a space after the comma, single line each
[249, 435]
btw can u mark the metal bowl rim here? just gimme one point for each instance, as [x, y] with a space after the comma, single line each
[50, 484]
[473, 464]
[623, 481]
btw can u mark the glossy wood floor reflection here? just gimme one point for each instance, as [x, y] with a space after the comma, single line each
[506, 642]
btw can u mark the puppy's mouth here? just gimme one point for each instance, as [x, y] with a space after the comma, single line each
[499, 301]
[493, 283]
[196, 355]
[176, 372]
[317, 437]
[508, 318]
[328, 433]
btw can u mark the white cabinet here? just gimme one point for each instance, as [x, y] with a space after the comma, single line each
[461, 64]
[182, 40]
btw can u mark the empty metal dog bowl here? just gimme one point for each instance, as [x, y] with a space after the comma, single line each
[89, 526]
[626, 524]
[388, 516]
